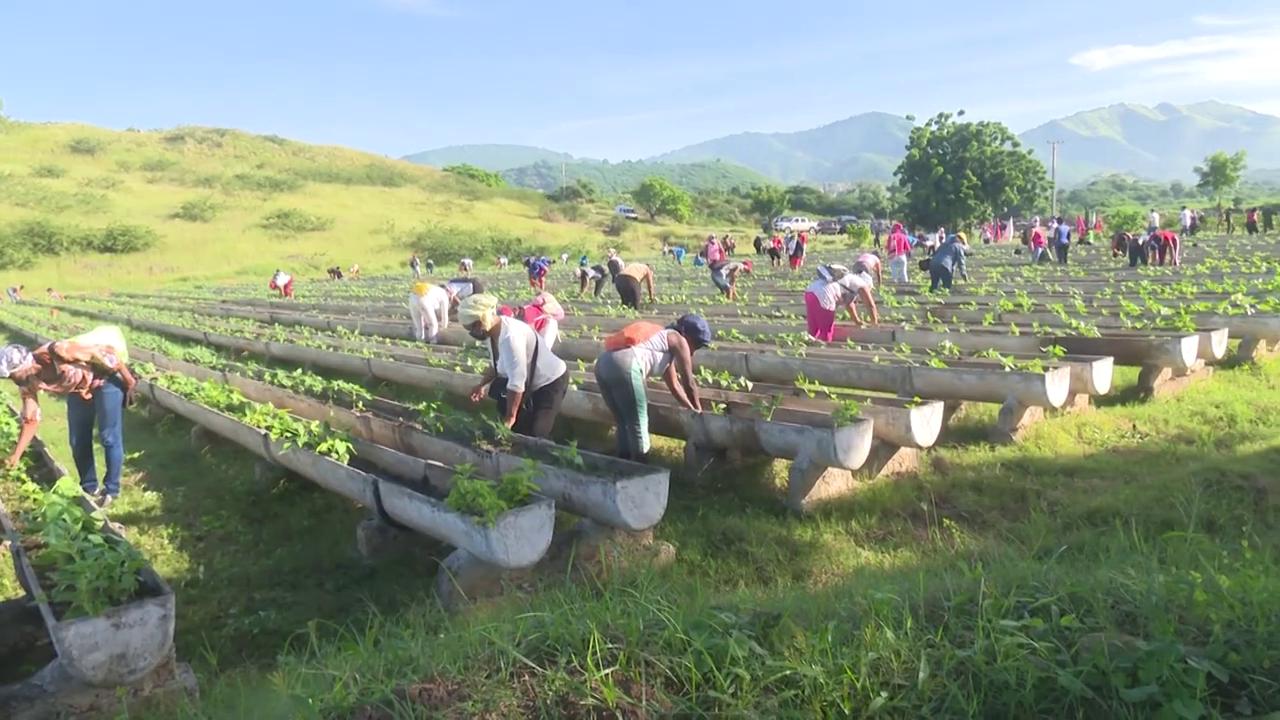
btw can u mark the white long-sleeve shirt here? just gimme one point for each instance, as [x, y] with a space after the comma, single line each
[430, 313]
[516, 344]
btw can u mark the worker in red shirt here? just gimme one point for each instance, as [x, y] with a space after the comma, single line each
[1167, 245]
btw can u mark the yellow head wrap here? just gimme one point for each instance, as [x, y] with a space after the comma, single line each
[420, 289]
[482, 307]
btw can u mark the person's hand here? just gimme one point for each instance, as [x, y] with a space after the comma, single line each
[131, 396]
[477, 393]
[11, 462]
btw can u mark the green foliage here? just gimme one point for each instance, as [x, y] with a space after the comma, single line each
[119, 238]
[157, 163]
[487, 501]
[48, 170]
[615, 179]
[859, 234]
[260, 182]
[87, 570]
[202, 209]
[616, 225]
[85, 146]
[578, 191]
[658, 197]
[293, 221]
[768, 201]
[960, 173]
[450, 242]
[846, 412]
[1128, 220]
[1220, 174]
[372, 174]
[568, 456]
[476, 174]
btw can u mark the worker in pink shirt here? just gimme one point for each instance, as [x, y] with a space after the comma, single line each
[898, 248]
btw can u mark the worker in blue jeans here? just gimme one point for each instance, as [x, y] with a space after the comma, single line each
[947, 261]
[98, 385]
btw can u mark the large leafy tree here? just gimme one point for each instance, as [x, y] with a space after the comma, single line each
[658, 196]
[1220, 174]
[768, 201]
[959, 173]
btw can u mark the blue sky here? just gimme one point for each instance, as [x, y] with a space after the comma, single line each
[612, 79]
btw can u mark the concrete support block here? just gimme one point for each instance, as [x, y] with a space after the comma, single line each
[809, 484]
[1155, 381]
[886, 459]
[463, 579]
[268, 473]
[376, 540]
[1077, 403]
[1013, 420]
[200, 438]
[155, 413]
[699, 459]
[1253, 349]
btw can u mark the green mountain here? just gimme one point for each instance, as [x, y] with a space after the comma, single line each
[862, 147]
[1163, 142]
[490, 157]
[617, 178]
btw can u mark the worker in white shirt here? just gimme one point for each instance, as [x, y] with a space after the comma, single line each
[526, 378]
[428, 311]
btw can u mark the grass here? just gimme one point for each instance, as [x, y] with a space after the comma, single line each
[1118, 562]
[350, 207]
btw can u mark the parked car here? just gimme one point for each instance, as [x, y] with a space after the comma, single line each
[796, 223]
[830, 227]
[627, 212]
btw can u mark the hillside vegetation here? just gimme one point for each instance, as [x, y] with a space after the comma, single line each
[618, 178]
[207, 204]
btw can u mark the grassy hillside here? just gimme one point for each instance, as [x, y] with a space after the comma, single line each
[618, 178]
[490, 157]
[224, 204]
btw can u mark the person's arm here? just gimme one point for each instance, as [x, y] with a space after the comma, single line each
[30, 423]
[648, 281]
[433, 322]
[870, 300]
[879, 274]
[681, 368]
[960, 267]
[100, 356]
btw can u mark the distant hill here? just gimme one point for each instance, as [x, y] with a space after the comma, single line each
[1163, 142]
[862, 147]
[1160, 143]
[617, 178]
[490, 157]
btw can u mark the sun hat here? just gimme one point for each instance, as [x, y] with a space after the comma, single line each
[695, 329]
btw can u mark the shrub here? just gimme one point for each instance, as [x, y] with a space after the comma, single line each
[85, 146]
[858, 233]
[476, 174]
[1125, 220]
[293, 220]
[262, 183]
[119, 238]
[101, 182]
[45, 237]
[551, 214]
[196, 210]
[48, 171]
[157, 164]
[375, 174]
[616, 226]
[445, 242]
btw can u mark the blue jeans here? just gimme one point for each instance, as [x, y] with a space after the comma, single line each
[107, 410]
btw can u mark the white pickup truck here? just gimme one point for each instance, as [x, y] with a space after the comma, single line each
[795, 224]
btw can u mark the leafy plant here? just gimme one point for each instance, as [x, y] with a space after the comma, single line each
[846, 412]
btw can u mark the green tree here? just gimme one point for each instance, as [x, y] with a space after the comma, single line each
[478, 174]
[866, 200]
[1220, 174]
[768, 201]
[960, 173]
[657, 196]
[580, 190]
[807, 199]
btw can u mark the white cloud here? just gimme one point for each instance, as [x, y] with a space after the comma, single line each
[1218, 21]
[1113, 56]
[430, 8]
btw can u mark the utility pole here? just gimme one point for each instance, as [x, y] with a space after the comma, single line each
[1053, 174]
[562, 180]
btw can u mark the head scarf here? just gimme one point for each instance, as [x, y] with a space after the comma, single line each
[421, 289]
[548, 304]
[482, 307]
[14, 358]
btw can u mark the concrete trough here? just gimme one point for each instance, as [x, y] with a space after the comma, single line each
[517, 539]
